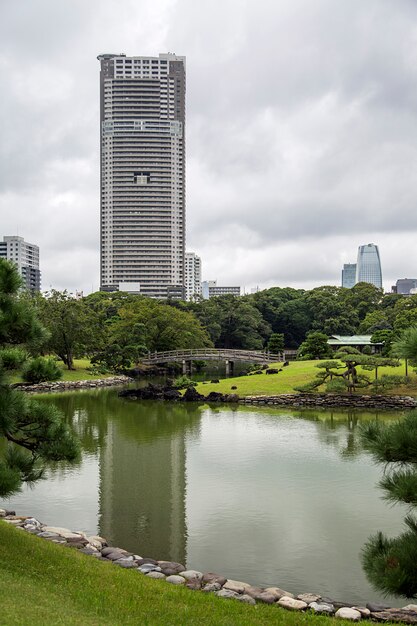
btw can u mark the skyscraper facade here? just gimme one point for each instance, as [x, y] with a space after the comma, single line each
[192, 276]
[349, 275]
[26, 258]
[368, 266]
[142, 205]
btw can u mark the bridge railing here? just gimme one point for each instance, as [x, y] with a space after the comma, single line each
[212, 354]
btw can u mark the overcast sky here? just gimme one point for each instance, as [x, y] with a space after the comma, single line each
[301, 132]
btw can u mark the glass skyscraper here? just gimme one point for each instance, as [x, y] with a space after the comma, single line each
[368, 267]
[349, 275]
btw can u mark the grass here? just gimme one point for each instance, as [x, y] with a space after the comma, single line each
[80, 373]
[43, 584]
[297, 373]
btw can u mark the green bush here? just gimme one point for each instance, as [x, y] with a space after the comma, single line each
[40, 370]
[183, 382]
[13, 358]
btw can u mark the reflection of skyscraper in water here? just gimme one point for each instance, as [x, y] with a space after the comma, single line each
[142, 492]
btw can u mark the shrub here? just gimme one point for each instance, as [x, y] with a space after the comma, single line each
[40, 370]
[183, 382]
[13, 358]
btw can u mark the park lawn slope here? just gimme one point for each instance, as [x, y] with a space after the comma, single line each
[295, 374]
[81, 372]
[44, 584]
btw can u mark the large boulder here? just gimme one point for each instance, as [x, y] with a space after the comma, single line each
[192, 395]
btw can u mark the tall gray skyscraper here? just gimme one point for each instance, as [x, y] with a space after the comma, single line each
[142, 125]
[26, 257]
[349, 275]
[368, 266]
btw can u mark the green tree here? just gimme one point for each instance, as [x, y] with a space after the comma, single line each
[75, 328]
[386, 337]
[315, 346]
[233, 322]
[32, 433]
[406, 346]
[391, 564]
[164, 327]
[276, 343]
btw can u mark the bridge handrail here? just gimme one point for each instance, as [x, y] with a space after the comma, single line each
[222, 353]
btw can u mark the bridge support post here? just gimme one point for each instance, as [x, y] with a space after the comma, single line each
[230, 366]
[184, 367]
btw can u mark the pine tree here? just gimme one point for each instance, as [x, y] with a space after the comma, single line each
[391, 564]
[33, 434]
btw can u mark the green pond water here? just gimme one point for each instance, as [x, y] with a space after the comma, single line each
[268, 496]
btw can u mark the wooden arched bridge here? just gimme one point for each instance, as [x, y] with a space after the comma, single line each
[229, 356]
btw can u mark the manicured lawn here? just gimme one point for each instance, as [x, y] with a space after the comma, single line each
[47, 585]
[297, 373]
[80, 372]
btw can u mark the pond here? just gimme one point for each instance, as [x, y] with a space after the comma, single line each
[269, 496]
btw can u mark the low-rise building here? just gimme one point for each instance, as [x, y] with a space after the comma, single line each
[210, 289]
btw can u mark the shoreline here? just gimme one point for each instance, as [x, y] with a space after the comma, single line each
[209, 582]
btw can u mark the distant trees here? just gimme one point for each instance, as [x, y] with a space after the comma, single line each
[276, 343]
[31, 433]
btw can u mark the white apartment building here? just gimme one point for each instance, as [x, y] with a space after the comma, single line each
[192, 276]
[142, 117]
[26, 257]
[210, 289]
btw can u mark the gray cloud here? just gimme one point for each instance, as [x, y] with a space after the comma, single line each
[301, 131]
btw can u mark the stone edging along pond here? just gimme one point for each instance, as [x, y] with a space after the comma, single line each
[176, 574]
[325, 400]
[71, 385]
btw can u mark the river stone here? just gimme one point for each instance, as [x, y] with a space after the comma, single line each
[98, 539]
[395, 615]
[253, 592]
[322, 607]
[291, 603]
[212, 587]
[89, 551]
[63, 532]
[309, 597]
[175, 580]
[279, 593]
[2, 512]
[366, 613]
[115, 556]
[236, 585]
[226, 593]
[410, 607]
[146, 560]
[47, 535]
[156, 575]
[192, 574]
[267, 598]
[110, 550]
[245, 598]
[94, 543]
[194, 584]
[170, 567]
[347, 613]
[148, 567]
[125, 563]
[209, 577]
